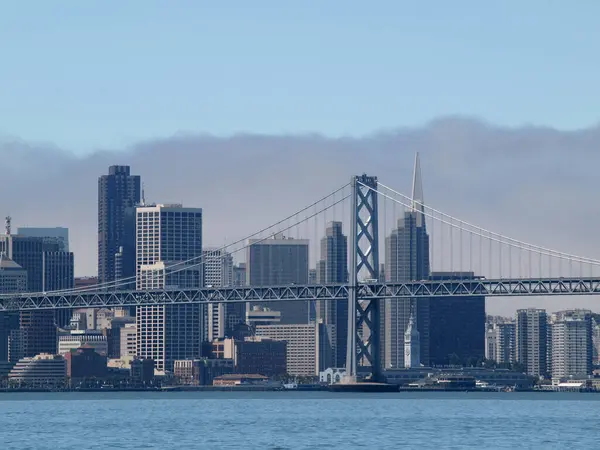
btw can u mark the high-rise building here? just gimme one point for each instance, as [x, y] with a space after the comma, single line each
[406, 259]
[572, 347]
[13, 279]
[169, 235]
[218, 272]
[456, 325]
[117, 191]
[333, 268]
[50, 234]
[48, 268]
[531, 340]
[500, 340]
[280, 261]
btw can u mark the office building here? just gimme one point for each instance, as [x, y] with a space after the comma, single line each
[531, 340]
[456, 325]
[45, 370]
[310, 347]
[218, 272]
[85, 362]
[280, 261]
[74, 339]
[13, 279]
[262, 356]
[169, 235]
[500, 336]
[572, 347]
[117, 191]
[333, 268]
[50, 234]
[127, 340]
[406, 259]
[260, 315]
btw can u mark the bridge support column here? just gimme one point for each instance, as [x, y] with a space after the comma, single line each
[363, 315]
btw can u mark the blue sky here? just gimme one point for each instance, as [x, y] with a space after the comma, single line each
[90, 75]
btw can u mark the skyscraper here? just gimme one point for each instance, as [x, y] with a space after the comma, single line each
[116, 191]
[406, 259]
[333, 268]
[572, 347]
[169, 235]
[456, 325]
[531, 339]
[278, 262]
[218, 272]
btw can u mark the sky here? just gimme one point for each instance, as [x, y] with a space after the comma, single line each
[257, 108]
[102, 75]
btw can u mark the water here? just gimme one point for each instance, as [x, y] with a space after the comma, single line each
[297, 420]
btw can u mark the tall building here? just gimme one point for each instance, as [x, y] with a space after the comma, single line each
[412, 350]
[169, 235]
[48, 268]
[218, 272]
[572, 346]
[500, 341]
[117, 191]
[13, 278]
[456, 325]
[278, 262]
[56, 234]
[406, 259]
[531, 340]
[333, 268]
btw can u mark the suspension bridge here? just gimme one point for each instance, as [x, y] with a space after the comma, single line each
[476, 261]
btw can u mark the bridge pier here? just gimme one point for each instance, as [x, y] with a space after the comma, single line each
[363, 315]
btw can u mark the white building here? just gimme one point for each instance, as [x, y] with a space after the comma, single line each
[74, 339]
[218, 272]
[500, 342]
[412, 345]
[168, 250]
[333, 375]
[310, 347]
[128, 340]
[572, 348]
[41, 370]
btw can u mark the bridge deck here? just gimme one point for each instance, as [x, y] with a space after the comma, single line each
[415, 289]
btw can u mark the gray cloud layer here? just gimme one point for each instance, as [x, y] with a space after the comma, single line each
[531, 183]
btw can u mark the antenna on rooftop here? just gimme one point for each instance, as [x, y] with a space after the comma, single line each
[7, 221]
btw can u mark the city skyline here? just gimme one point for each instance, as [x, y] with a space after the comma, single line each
[491, 198]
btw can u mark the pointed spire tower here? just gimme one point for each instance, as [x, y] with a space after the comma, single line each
[412, 343]
[417, 192]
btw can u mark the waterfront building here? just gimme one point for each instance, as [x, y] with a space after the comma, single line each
[310, 347]
[456, 325]
[43, 370]
[261, 355]
[500, 342]
[531, 340]
[572, 347]
[412, 345]
[169, 235]
[85, 362]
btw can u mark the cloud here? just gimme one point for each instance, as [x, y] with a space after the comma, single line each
[535, 184]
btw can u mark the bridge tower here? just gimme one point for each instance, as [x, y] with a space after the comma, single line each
[363, 315]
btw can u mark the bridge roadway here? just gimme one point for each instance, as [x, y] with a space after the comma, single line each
[365, 291]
